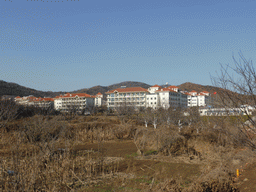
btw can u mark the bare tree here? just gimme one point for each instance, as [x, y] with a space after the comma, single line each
[238, 83]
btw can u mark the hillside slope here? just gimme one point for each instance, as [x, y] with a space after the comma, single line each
[14, 89]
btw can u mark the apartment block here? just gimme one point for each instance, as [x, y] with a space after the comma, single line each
[130, 97]
[77, 102]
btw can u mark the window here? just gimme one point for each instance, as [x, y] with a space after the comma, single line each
[155, 98]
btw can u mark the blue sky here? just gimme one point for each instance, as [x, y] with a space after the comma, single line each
[70, 45]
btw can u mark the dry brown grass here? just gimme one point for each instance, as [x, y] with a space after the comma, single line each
[53, 154]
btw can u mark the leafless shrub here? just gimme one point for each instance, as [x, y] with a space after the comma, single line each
[8, 112]
[44, 133]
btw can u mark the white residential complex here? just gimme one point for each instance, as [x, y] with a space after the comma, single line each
[155, 97]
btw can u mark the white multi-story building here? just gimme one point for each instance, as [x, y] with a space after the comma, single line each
[130, 97]
[77, 102]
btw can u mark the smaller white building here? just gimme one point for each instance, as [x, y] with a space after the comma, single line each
[225, 111]
[198, 99]
[98, 100]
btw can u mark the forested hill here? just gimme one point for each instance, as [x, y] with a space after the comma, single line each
[192, 86]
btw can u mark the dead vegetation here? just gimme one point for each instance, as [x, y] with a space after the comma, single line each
[54, 153]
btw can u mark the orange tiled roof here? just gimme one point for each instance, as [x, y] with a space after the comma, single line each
[193, 91]
[129, 89]
[99, 93]
[157, 86]
[67, 95]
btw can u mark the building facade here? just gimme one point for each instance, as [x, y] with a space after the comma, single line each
[201, 99]
[77, 102]
[130, 97]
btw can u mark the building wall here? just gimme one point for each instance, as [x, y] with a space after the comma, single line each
[131, 99]
[152, 100]
[73, 103]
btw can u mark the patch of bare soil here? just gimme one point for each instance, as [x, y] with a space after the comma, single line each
[144, 170]
[247, 179]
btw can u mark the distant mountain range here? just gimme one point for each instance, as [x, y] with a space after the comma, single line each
[14, 89]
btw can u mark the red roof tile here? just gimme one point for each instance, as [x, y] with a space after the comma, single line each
[99, 93]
